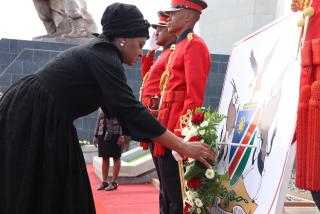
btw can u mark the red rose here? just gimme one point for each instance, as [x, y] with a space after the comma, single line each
[194, 183]
[195, 138]
[198, 118]
[186, 208]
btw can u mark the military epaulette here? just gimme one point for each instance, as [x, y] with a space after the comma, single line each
[190, 36]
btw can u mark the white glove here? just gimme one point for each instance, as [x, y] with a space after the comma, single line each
[153, 42]
[176, 156]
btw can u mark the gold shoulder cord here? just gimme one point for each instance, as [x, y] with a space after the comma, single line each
[163, 85]
[165, 75]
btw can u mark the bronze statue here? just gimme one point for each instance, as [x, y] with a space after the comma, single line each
[65, 18]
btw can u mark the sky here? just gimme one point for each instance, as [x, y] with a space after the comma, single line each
[19, 19]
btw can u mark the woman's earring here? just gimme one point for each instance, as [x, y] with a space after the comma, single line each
[122, 43]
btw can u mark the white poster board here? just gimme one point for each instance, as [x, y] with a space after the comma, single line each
[259, 98]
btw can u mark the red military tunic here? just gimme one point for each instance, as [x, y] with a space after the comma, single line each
[146, 63]
[186, 84]
[151, 78]
[151, 84]
[308, 122]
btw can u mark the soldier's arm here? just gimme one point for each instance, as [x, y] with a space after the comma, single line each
[146, 62]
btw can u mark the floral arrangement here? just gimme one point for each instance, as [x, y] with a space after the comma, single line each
[84, 143]
[202, 184]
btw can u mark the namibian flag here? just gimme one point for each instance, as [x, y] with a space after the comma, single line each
[244, 134]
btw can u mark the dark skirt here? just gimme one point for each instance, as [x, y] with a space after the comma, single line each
[109, 148]
[41, 162]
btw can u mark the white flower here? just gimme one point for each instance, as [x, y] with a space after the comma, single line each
[210, 173]
[198, 210]
[202, 132]
[189, 132]
[185, 131]
[198, 202]
[190, 196]
[195, 195]
[204, 124]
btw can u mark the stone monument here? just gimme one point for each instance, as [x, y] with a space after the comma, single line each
[65, 20]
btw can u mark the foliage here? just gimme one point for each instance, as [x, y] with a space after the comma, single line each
[202, 184]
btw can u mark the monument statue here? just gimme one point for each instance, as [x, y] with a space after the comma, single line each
[65, 19]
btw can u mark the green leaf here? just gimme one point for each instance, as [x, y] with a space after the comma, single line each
[193, 171]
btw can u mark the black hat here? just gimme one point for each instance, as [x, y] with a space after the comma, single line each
[124, 20]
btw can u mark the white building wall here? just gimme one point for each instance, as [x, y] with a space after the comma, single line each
[225, 22]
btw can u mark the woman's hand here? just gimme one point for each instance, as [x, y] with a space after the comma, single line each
[121, 140]
[94, 141]
[199, 151]
[195, 150]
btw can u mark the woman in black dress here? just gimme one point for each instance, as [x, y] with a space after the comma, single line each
[43, 170]
[108, 136]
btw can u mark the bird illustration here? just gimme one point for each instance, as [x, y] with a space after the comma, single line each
[231, 119]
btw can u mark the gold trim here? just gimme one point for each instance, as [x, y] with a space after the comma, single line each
[302, 4]
[190, 37]
[185, 119]
[163, 85]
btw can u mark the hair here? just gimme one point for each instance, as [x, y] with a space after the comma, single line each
[195, 14]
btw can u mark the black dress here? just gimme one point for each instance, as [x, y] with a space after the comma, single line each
[108, 141]
[108, 148]
[42, 166]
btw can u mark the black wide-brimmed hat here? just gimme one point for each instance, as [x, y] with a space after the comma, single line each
[124, 20]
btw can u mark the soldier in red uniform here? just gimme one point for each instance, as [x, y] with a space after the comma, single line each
[182, 88]
[152, 71]
[151, 74]
[308, 122]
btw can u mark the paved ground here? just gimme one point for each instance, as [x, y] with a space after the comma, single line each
[301, 210]
[294, 191]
